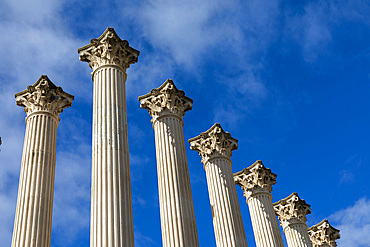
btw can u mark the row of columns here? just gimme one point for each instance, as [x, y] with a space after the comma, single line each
[167, 105]
[111, 201]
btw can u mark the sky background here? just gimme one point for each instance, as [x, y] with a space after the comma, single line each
[289, 79]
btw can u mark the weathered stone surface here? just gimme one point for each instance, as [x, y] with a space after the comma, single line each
[292, 213]
[43, 95]
[166, 100]
[215, 142]
[255, 179]
[111, 199]
[108, 49]
[43, 102]
[167, 106]
[323, 234]
[215, 147]
[256, 182]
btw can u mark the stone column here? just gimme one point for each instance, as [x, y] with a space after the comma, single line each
[43, 102]
[167, 106]
[215, 147]
[323, 234]
[111, 200]
[256, 181]
[292, 213]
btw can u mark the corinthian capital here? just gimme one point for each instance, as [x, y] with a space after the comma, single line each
[323, 234]
[292, 210]
[214, 142]
[44, 96]
[166, 99]
[108, 49]
[255, 179]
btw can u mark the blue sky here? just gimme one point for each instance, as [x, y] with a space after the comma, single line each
[289, 79]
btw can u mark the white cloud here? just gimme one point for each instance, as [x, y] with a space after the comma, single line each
[186, 29]
[313, 30]
[142, 240]
[151, 72]
[36, 42]
[72, 196]
[346, 176]
[354, 224]
[7, 208]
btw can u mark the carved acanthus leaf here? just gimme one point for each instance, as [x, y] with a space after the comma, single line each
[108, 49]
[292, 210]
[214, 142]
[323, 234]
[44, 96]
[255, 179]
[166, 99]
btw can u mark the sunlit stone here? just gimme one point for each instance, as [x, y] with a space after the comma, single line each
[323, 234]
[292, 213]
[256, 181]
[111, 200]
[167, 106]
[43, 102]
[215, 146]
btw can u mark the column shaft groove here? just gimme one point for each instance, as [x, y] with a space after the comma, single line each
[297, 235]
[111, 200]
[227, 220]
[175, 197]
[264, 222]
[32, 225]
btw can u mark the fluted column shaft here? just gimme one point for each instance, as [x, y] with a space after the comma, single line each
[292, 213]
[215, 146]
[167, 106]
[32, 226]
[43, 102]
[256, 181]
[297, 235]
[227, 219]
[111, 202]
[175, 197]
[265, 226]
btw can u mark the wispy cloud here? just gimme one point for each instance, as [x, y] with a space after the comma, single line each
[354, 224]
[186, 29]
[72, 196]
[346, 176]
[313, 30]
[225, 34]
[36, 42]
[142, 240]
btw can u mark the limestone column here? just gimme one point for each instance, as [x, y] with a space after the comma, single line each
[167, 106]
[111, 200]
[292, 213]
[323, 234]
[256, 181]
[215, 147]
[43, 102]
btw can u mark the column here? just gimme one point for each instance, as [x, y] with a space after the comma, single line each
[111, 200]
[215, 147]
[323, 234]
[292, 213]
[167, 106]
[256, 181]
[43, 102]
